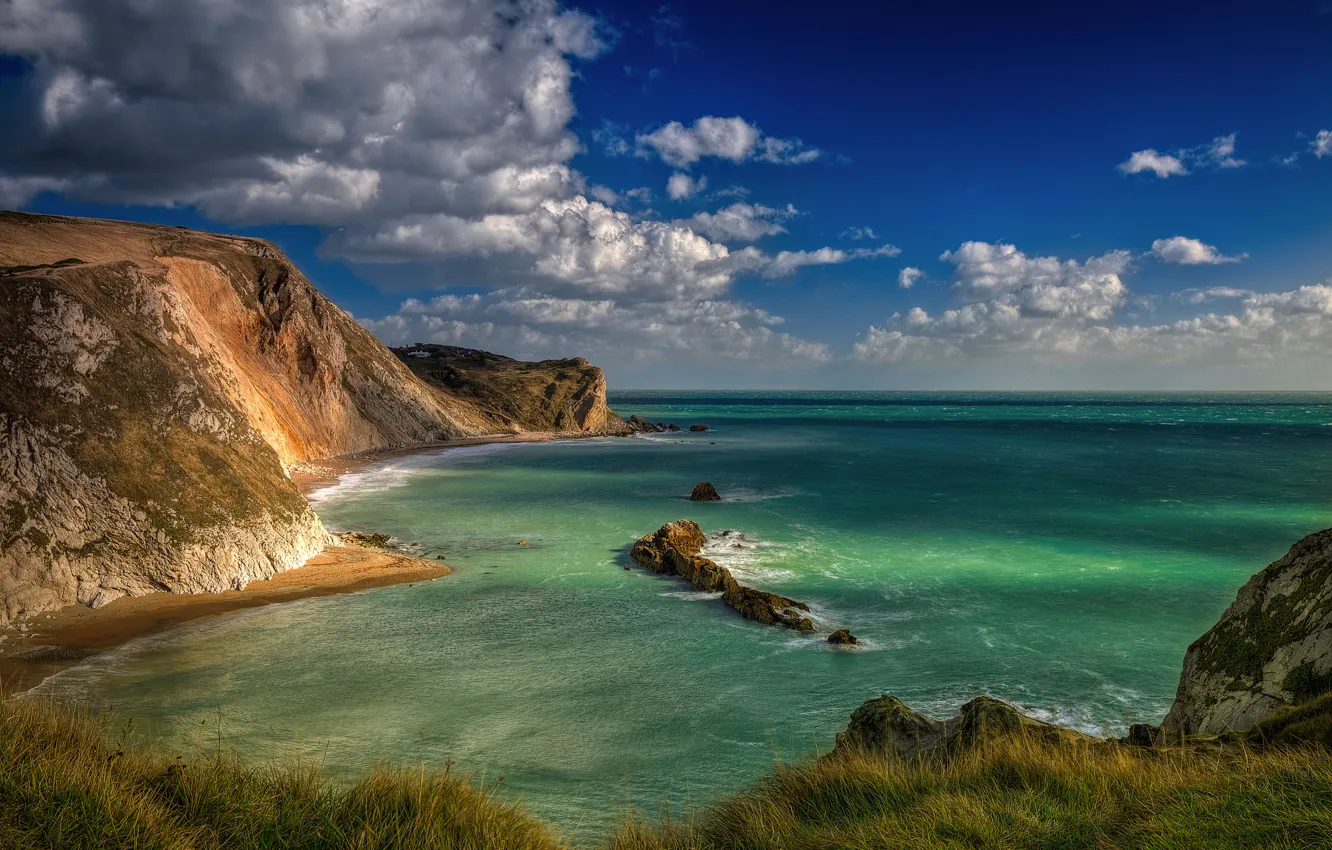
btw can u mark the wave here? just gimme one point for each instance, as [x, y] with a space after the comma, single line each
[388, 474]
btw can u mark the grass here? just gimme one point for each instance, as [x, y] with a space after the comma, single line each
[65, 782]
[1021, 793]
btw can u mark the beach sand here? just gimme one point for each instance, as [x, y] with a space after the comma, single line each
[56, 641]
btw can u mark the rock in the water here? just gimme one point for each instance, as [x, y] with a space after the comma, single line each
[672, 427]
[698, 428]
[887, 726]
[1271, 648]
[673, 550]
[704, 492]
[378, 540]
[639, 425]
[842, 637]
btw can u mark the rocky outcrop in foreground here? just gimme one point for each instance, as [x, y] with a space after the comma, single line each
[887, 726]
[157, 383]
[1271, 648]
[673, 550]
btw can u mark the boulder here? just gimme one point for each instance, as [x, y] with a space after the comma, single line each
[1271, 649]
[698, 428]
[886, 726]
[704, 492]
[842, 637]
[672, 427]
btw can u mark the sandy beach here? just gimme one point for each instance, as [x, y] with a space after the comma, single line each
[56, 641]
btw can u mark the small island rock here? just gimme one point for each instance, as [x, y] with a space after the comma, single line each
[697, 428]
[704, 492]
[842, 637]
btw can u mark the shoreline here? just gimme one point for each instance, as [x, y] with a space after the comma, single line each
[48, 643]
[59, 640]
[310, 476]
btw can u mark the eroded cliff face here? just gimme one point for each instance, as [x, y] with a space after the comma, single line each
[1270, 649]
[549, 395]
[155, 384]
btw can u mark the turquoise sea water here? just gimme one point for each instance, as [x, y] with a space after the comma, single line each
[1056, 550]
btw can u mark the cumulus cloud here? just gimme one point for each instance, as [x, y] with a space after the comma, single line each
[1322, 144]
[534, 325]
[307, 111]
[680, 186]
[741, 222]
[1162, 165]
[908, 276]
[1218, 153]
[1184, 251]
[733, 139]
[1012, 306]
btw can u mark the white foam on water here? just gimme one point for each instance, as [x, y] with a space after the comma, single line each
[691, 595]
[398, 471]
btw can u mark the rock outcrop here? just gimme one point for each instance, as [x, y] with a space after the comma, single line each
[674, 550]
[549, 395]
[698, 428]
[1272, 648]
[156, 384]
[704, 492]
[886, 726]
[843, 637]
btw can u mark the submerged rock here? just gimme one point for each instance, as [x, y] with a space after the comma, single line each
[887, 726]
[1272, 648]
[673, 550]
[842, 637]
[704, 492]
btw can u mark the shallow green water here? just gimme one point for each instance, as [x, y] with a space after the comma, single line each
[1057, 550]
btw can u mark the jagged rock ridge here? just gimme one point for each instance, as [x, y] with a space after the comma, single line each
[673, 550]
[155, 385]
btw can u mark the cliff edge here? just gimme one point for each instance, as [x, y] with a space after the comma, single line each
[1271, 648]
[155, 385]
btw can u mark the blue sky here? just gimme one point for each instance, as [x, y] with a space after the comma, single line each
[730, 194]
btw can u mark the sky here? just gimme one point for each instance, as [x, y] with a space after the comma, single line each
[730, 194]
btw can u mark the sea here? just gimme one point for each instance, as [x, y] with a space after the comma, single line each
[1058, 550]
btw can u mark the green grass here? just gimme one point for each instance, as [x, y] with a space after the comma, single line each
[66, 782]
[1021, 794]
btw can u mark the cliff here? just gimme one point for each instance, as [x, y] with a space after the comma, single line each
[1272, 648]
[550, 395]
[155, 385]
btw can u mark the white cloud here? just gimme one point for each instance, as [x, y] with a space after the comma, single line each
[858, 233]
[642, 194]
[741, 222]
[908, 276]
[787, 262]
[605, 195]
[1218, 153]
[1322, 144]
[1222, 152]
[1162, 165]
[680, 186]
[1184, 251]
[733, 139]
[1019, 310]
[539, 326]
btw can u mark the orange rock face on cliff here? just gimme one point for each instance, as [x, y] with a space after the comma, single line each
[155, 384]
